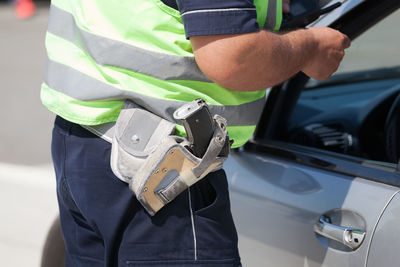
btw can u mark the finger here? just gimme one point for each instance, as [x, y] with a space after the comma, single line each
[346, 41]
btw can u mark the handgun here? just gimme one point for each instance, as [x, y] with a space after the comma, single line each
[198, 124]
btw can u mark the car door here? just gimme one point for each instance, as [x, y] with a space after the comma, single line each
[301, 206]
[277, 204]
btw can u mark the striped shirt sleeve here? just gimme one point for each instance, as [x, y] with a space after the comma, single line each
[212, 17]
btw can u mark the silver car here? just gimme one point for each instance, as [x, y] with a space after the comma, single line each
[318, 185]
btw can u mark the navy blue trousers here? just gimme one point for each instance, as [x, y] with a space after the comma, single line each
[104, 225]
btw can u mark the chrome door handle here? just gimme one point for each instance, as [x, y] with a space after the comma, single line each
[350, 237]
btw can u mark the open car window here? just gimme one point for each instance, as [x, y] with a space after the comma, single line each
[376, 49]
[347, 114]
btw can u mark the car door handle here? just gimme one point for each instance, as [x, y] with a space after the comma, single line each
[350, 237]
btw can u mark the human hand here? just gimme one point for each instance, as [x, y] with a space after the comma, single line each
[328, 53]
[286, 6]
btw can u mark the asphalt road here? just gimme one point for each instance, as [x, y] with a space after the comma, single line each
[26, 124]
[27, 189]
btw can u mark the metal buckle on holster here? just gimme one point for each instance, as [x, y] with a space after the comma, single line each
[159, 166]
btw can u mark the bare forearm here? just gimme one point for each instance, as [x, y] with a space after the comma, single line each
[253, 61]
[256, 61]
[273, 59]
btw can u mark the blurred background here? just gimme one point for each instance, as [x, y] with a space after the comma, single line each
[27, 186]
[27, 196]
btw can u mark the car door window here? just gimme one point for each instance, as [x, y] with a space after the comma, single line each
[348, 113]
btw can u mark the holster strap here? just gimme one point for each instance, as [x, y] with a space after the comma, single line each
[216, 144]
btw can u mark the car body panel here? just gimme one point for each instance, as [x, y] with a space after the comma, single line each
[280, 191]
[385, 244]
[275, 213]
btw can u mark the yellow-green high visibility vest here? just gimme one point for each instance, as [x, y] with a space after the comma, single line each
[102, 52]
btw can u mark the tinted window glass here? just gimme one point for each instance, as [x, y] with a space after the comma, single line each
[348, 112]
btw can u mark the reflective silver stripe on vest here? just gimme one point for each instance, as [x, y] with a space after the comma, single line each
[118, 54]
[85, 88]
[270, 21]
